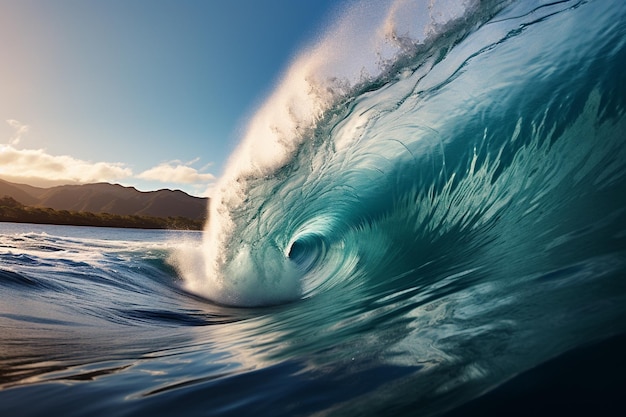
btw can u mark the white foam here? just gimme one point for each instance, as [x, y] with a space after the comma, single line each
[323, 73]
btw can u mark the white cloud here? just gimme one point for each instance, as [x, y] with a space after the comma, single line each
[39, 168]
[20, 130]
[33, 164]
[176, 172]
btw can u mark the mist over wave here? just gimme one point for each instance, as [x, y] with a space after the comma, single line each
[406, 123]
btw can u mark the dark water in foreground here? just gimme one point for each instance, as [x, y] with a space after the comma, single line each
[445, 237]
[94, 322]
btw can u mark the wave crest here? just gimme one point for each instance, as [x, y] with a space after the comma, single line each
[451, 120]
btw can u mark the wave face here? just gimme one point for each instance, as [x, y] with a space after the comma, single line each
[451, 204]
[444, 193]
[489, 139]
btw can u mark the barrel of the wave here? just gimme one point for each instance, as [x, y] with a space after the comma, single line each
[236, 268]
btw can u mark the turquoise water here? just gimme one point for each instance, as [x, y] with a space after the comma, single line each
[442, 234]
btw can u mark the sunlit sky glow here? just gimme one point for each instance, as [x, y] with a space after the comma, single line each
[152, 94]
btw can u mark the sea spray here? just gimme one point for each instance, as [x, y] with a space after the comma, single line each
[302, 132]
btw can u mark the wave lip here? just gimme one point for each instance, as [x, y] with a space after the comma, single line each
[253, 252]
[456, 129]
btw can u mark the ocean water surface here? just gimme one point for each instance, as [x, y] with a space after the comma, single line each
[427, 217]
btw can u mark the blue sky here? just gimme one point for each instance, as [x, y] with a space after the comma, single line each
[149, 93]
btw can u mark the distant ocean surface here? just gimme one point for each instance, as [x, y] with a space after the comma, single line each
[445, 236]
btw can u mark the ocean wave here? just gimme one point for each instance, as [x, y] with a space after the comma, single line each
[484, 117]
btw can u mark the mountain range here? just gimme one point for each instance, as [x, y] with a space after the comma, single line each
[109, 198]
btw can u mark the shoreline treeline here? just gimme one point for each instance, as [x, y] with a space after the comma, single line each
[13, 211]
